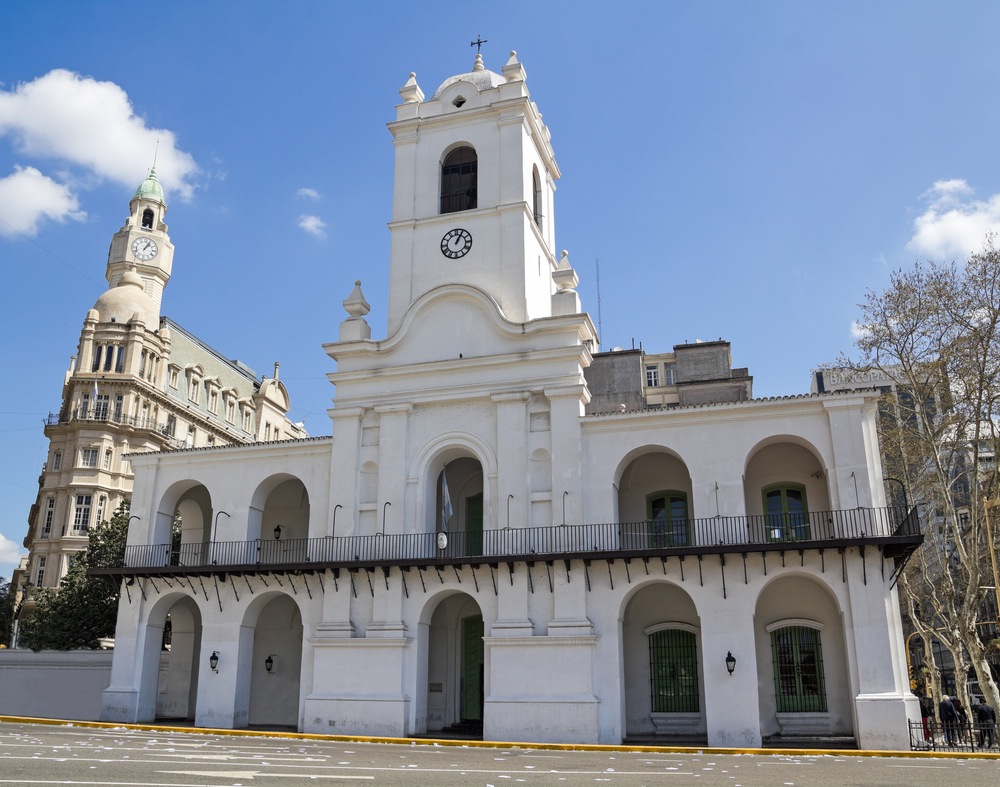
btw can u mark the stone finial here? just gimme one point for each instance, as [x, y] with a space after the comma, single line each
[356, 305]
[564, 276]
[411, 92]
[478, 65]
[513, 70]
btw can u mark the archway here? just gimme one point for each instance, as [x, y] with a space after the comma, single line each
[785, 493]
[655, 506]
[177, 680]
[663, 672]
[802, 660]
[451, 643]
[279, 517]
[271, 661]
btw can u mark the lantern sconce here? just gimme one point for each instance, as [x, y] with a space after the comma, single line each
[277, 532]
[269, 663]
[213, 661]
[730, 662]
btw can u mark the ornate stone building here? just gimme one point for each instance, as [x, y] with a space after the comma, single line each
[138, 382]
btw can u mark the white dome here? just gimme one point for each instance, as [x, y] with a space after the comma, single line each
[127, 299]
[481, 78]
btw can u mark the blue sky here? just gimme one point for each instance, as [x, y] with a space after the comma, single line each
[739, 170]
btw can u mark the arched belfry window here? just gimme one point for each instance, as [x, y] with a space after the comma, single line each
[459, 180]
[147, 219]
[536, 202]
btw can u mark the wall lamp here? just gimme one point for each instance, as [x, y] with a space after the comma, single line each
[269, 662]
[730, 662]
[277, 532]
[213, 661]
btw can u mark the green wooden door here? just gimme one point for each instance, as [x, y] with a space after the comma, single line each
[472, 669]
[474, 524]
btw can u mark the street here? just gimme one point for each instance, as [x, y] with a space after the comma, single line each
[34, 754]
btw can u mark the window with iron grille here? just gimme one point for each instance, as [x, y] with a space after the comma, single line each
[799, 683]
[673, 667]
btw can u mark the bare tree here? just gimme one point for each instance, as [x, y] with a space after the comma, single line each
[934, 333]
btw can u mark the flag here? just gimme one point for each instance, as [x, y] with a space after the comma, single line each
[446, 509]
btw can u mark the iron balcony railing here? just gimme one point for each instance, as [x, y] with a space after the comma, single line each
[107, 415]
[719, 534]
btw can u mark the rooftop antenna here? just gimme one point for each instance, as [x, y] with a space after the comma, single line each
[156, 152]
[600, 326]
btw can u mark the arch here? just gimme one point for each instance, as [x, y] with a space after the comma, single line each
[168, 677]
[279, 518]
[183, 520]
[471, 470]
[662, 664]
[802, 667]
[148, 217]
[452, 663]
[459, 179]
[270, 661]
[654, 502]
[785, 491]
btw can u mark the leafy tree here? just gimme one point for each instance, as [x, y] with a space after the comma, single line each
[83, 608]
[6, 613]
[934, 333]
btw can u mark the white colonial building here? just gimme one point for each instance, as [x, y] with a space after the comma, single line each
[513, 530]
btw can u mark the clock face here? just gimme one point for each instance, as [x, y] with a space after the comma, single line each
[144, 248]
[456, 243]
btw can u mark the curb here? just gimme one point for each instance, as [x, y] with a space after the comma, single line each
[310, 736]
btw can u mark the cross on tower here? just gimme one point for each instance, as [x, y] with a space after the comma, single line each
[478, 43]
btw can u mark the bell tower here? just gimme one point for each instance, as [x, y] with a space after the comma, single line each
[142, 244]
[473, 193]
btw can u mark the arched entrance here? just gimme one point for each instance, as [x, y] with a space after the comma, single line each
[271, 661]
[177, 680]
[802, 660]
[664, 682]
[452, 639]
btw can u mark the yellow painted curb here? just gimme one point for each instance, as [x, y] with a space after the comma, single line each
[651, 748]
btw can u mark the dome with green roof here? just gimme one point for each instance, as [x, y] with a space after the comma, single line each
[150, 188]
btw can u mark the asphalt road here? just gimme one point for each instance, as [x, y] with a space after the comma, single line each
[34, 754]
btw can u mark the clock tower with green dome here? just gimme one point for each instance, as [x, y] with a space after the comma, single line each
[143, 244]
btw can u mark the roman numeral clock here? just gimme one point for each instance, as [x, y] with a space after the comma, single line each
[456, 243]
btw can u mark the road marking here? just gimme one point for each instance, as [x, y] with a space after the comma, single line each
[252, 774]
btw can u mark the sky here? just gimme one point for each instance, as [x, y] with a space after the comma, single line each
[734, 170]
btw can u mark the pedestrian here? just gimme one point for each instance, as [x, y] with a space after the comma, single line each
[926, 716]
[949, 719]
[986, 720]
[962, 725]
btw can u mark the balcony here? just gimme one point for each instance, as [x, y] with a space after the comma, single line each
[895, 530]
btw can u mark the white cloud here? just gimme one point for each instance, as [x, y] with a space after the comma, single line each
[954, 224]
[27, 197]
[314, 225]
[857, 332]
[68, 117]
[309, 194]
[10, 554]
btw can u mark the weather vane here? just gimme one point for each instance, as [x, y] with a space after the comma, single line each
[478, 44]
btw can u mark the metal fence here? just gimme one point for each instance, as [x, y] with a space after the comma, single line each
[931, 735]
[651, 537]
